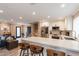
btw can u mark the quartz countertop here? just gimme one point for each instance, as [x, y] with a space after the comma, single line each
[66, 44]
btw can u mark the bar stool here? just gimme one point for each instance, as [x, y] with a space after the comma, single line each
[36, 50]
[24, 47]
[51, 52]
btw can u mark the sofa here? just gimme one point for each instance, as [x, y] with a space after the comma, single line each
[8, 42]
[2, 43]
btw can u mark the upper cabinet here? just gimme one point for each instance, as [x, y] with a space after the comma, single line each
[68, 23]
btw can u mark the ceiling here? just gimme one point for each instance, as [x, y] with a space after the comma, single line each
[43, 10]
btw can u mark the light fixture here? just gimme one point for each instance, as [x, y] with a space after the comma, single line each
[48, 17]
[32, 3]
[20, 17]
[60, 18]
[62, 5]
[2, 28]
[45, 24]
[1, 11]
[34, 13]
[11, 19]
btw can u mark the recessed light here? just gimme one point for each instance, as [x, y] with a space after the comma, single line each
[20, 17]
[60, 18]
[32, 3]
[1, 11]
[48, 17]
[11, 19]
[34, 13]
[62, 5]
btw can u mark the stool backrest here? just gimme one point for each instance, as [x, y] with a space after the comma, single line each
[24, 45]
[51, 52]
[35, 47]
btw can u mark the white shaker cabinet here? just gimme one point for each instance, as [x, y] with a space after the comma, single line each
[68, 23]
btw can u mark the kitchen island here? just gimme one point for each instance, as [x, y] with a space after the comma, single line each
[70, 47]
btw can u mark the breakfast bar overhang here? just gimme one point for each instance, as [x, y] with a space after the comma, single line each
[70, 47]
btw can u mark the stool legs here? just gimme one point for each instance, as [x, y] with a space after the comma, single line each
[20, 52]
[39, 54]
[42, 54]
[33, 54]
[28, 52]
[23, 52]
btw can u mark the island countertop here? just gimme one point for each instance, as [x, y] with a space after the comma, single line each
[64, 44]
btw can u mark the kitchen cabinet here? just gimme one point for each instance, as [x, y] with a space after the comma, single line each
[68, 23]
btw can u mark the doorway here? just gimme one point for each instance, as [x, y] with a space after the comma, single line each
[44, 32]
[28, 32]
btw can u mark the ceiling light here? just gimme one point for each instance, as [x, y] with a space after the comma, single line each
[48, 17]
[60, 18]
[20, 17]
[32, 3]
[11, 19]
[45, 24]
[34, 13]
[62, 5]
[1, 11]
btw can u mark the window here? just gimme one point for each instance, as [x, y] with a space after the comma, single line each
[18, 32]
[76, 26]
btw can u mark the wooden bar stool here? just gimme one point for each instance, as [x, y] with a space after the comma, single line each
[36, 50]
[51, 52]
[24, 47]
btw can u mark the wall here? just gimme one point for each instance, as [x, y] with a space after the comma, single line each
[4, 26]
[60, 23]
[11, 28]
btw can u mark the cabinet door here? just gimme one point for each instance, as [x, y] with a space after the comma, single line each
[69, 23]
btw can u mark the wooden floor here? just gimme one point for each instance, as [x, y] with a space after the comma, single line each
[13, 52]
[5, 52]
